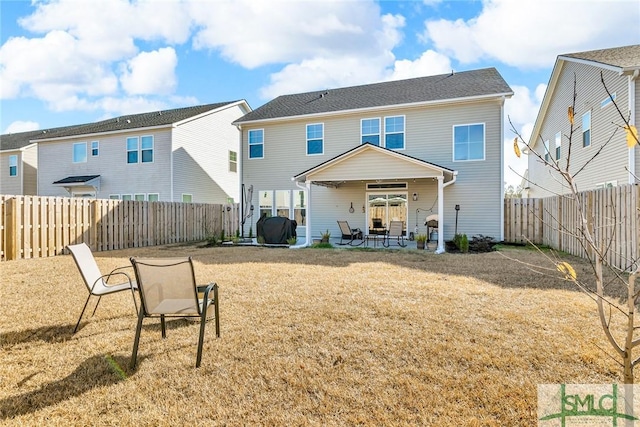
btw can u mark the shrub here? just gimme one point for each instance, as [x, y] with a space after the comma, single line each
[482, 243]
[462, 242]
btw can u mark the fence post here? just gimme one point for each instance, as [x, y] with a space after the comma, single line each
[93, 227]
[11, 229]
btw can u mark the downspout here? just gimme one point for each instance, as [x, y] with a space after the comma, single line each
[240, 182]
[171, 166]
[632, 121]
[441, 187]
[501, 198]
[307, 188]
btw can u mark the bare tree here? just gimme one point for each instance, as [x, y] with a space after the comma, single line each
[617, 316]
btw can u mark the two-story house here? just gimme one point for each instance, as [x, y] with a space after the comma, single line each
[598, 141]
[181, 155]
[398, 150]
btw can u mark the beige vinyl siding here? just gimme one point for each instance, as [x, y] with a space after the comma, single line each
[11, 184]
[116, 175]
[201, 157]
[610, 164]
[29, 166]
[428, 136]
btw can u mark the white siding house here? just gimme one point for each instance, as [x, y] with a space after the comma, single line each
[400, 150]
[173, 155]
[598, 138]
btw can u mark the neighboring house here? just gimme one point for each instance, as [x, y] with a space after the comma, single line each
[19, 161]
[185, 154]
[597, 122]
[19, 164]
[370, 154]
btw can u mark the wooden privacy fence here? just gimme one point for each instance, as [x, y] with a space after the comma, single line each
[35, 227]
[554, 221]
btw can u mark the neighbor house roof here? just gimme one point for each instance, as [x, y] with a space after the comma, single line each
[14, 141]
[460, 85]
[626, 58]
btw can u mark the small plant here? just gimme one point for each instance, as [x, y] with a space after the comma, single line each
[237, 233]
[222, 235]
[462, 242]
[292, 241]
[250, 232]
[235, 240]
[322, 245]
[212, 240]
[421, 238]
[325, 236]
[261, 240]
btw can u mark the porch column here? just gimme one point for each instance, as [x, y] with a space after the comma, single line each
[440, 248]
[309, 238]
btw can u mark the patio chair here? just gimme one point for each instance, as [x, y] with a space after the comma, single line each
[168, 289]
[352, 234]
[98, 284]
[396, 230]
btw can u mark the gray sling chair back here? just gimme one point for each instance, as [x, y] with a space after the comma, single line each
[168, 288]
[97, 283]
[395, 231]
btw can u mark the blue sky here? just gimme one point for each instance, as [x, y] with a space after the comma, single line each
[66, 62]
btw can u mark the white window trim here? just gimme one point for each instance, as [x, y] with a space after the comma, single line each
[97, 148]
[484, 142]
[114, 197]
[590, 128]
[137, 150]
[153, 149]
[234, 162]
[130, 196]
[404, 132]
[608, 100]
[15, 158]
[143, 195]
[306, 132]
[153, 194]
[249, 144]
[186, 194]
[558, 146]
[547, 153]
[86, 154]
[379, 134]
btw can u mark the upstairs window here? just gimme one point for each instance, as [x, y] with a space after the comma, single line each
[558, 145]
[132, 150]
[546, 150]
[394, 132]
[468, 142]
[256, 144]
[94, 148]
[370, 131]
[140, 149]
[147, 149]
[80, 152]
[233, 161]
[13, 165]
[608, 100]
[586, 129]
[315, 139]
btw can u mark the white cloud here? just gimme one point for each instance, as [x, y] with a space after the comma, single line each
[151, 73]
[429, 63]
[526, 33]
[21, 126]
[293, 32]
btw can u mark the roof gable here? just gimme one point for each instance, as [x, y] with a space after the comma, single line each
[467, 84]
[625, 57]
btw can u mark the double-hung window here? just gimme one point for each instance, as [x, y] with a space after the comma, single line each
[256, 144]
[370, 131]
[546, 151]
[315, 139]
[586, 129]
[558, 145]
[132, 150]
[233, 161]
[95, 145]
[13, 165]
[140, 149]
[79, 152]
[468, 142]
[394, 132]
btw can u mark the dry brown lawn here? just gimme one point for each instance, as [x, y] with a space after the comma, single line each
[315, 337]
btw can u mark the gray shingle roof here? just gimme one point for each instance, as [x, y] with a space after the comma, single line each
[14, 141]
[626, 57]
[417, 90]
